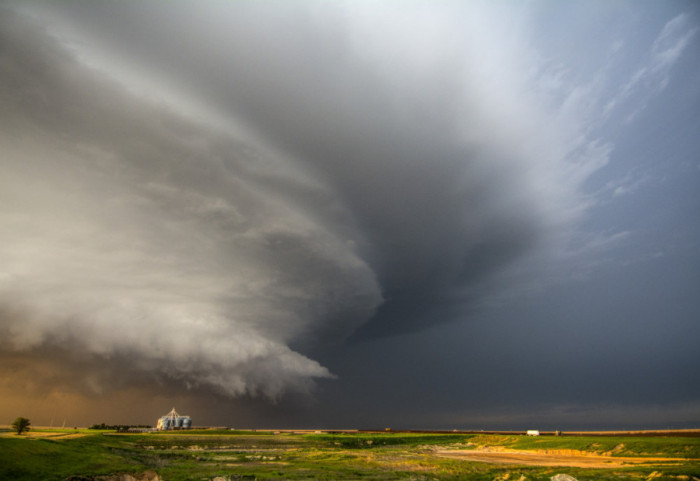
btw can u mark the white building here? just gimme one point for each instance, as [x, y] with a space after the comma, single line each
[173, 420]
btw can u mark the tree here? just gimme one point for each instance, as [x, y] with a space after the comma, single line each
[21, 425]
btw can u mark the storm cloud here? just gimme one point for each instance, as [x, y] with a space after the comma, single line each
[128, 229]
[208, 195]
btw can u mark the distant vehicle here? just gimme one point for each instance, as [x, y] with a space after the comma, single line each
[533, 432]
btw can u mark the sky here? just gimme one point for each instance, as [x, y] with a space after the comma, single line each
[351, 214]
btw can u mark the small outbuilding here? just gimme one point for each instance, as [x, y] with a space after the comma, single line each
[533, 432]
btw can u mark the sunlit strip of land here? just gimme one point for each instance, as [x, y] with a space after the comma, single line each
[205, 454]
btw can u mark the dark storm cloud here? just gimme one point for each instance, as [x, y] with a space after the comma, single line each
[200, 194]
[416, 120]
[132, 234]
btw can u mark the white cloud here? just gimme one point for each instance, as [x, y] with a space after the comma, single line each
[629, 184]
[654, 75]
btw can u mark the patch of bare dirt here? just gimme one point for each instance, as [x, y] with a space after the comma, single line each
[565, 458]
[69, 436]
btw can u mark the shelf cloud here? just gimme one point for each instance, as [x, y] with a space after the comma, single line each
[209, 195]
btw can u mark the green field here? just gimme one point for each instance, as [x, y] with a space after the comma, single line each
[233, 455]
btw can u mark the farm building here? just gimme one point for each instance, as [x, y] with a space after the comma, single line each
[173, 420]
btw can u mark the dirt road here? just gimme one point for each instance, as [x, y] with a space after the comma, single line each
[539, 458]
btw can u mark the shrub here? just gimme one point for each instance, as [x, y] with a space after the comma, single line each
[20, 425]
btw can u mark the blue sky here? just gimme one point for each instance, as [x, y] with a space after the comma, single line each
[352, 214]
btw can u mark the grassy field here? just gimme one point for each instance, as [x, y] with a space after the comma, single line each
[203, 455]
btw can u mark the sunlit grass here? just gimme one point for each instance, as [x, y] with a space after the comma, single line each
[180, 456]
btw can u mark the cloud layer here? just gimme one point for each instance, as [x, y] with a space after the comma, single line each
[131, 232]
[204, 197]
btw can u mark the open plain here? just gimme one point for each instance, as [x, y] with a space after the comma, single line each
[91, 455]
